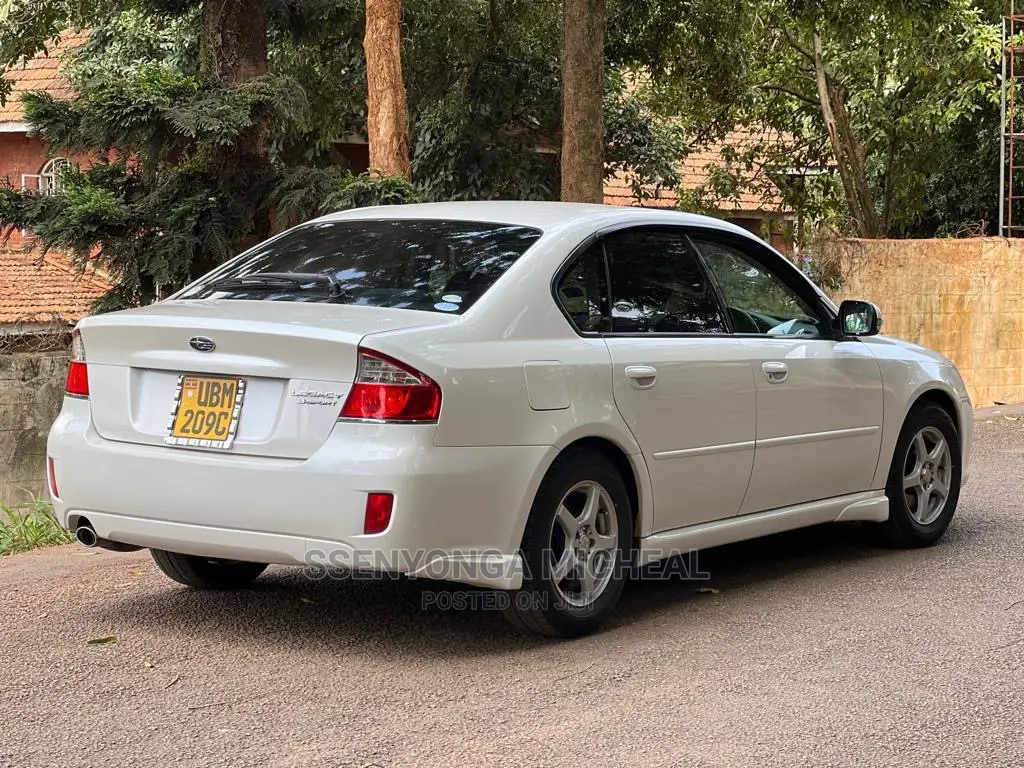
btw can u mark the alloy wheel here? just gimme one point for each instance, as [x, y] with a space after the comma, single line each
[583, 544]
[927, 475]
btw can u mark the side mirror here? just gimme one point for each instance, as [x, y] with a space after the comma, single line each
[858, 318]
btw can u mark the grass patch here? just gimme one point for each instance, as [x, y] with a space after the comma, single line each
[29, 526]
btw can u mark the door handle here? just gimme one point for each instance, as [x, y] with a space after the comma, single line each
[641, 376]
[775, 372]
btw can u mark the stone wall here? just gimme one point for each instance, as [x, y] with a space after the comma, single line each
[31, 393]
[963, 298]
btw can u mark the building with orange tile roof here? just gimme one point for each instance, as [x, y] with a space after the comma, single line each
[37, 291]
[25, 159]
[40, 74]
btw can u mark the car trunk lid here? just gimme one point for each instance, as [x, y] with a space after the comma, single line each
[288, 366]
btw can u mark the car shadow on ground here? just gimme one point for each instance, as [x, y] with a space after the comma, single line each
[416, 616]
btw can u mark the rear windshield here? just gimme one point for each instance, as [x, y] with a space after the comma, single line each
[433, 265]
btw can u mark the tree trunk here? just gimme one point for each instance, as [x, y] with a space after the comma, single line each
[234, 49]
[234, 40]
[387, 118]
[848, 151]
[583, 24]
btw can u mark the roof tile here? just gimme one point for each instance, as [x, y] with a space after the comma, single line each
[36, 288]
[39, 74]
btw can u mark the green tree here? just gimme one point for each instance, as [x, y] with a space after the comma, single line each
[483, 83]
[207, 138]
[862, 90]
[961, 188]
[873, 86]
[191, 131]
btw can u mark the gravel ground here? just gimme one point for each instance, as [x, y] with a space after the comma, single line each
[809, 649]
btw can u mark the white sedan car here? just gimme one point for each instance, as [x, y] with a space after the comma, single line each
[537, 398]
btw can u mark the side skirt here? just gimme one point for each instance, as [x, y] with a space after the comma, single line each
[872, 506]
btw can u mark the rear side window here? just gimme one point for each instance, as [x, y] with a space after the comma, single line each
[658, 285]
[433, 265]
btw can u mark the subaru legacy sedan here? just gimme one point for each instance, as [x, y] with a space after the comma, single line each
[536, 398]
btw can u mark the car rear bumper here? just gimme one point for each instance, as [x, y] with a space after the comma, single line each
[458, 512]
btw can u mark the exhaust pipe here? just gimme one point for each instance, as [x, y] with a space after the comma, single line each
[87, 537]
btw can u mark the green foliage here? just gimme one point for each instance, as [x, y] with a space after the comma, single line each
[903, 77]
[173, 192]
[324, 54]
[157, 229]
[176, 189]
[696, 53]
[223, 115]
[961, 191]
[134, 115]
[905, 73]
[305, 193]
[645, 147]
[29, 526]
[132, 41]
[484, 94]
[484, 86]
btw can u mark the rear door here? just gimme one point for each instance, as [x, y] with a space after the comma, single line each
[681, 381]
[819, 400]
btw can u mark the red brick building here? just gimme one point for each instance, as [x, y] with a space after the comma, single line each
[37, 290]
[25, 160]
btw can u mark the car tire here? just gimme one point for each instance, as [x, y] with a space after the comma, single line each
[584, 491]
[924, 480]
[206, 572]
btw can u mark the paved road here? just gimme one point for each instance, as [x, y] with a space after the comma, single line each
[815, 650]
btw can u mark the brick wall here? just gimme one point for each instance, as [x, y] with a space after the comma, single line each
[963, 298]
[19, 154]
[31, 393]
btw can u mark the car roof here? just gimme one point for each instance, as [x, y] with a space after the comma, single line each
[545, 216]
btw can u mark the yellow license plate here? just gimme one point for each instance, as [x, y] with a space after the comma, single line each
[206, 411]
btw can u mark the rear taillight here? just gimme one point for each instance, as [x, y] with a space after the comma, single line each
[78, 374]
[387, 390]
[378, 512]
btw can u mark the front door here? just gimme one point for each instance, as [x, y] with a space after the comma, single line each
[681, 382]
[819, 400]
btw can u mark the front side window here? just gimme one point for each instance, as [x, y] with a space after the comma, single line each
[758, 300]
[658, 285]
[429, 264]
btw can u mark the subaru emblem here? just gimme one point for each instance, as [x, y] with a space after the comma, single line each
[202, 344]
